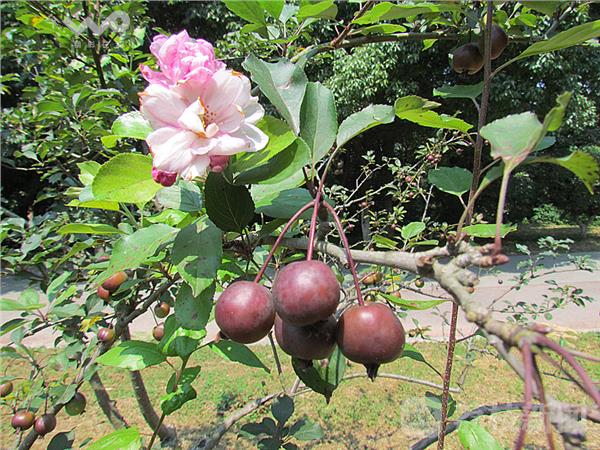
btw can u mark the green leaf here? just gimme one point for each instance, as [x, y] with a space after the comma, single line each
[179, 341]
[94, 204]
[305, 430]
[582, 164]
[266, 192]
[29, 300]
[126, 178]
[546, 7]
[434, 404]
[11, 325]
[484, 230]
[184, 196]
[197, 253]
[391, 11]
[188, 376]
[88, 228]
[363, 120]
[124, 439]
[554, 118]
[568, 38]
[411, 352]
[232, 351]
[280, 137]
[323, 379]
[191, 311]
[283, 83]
[87, 171]
[250, 10]
[513, 137]
[282, 409]
[475, 437]
[62, 441]
[383, 28]
[267, 426]
[132, 355]
[284, 204]
[412, 230]
[173, 401]
[460, 91]
[318, 120]
[383, 242]
[273, 7]
[131, 125]
[418, 110]
[230, 207]
[453, 180]
[412, 305]
[324, 9]
[130, 251]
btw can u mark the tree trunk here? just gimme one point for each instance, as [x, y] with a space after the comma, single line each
[108, 406]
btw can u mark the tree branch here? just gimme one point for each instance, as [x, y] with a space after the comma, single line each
[108, 406]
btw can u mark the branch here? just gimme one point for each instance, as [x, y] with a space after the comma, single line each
[108, 406]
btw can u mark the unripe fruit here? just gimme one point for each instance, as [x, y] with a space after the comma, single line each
[306, 292]
[158, 332]
[45, 424]
[419, 283]
[467, 59]
[162, 310]
[106, 334]
[113, 282]
[6, 389]
[310, 342]
[76, 405]
[370, 335]
[499, 41]
[245, 312]
[22, 420]
[103, 293]
[372, 278]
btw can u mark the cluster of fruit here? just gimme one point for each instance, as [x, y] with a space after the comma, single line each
[468, 58]
[301, 305]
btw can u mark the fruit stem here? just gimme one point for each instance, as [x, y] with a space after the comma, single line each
[280, 238]
[344, 239]
[313, 222]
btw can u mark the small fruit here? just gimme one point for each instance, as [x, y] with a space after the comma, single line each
[76, 405]
[364, 204]
[162, 310]
[22, 420]
[158, 332]
[419, 283]
[103, 293]
[499, 41]
[372, 278]
[370, 335]
[310, 342]
[45, 424]
[6, 389]
[306, 292]
[467, 59]
[245, 312]
[113, 282]
[106, 334]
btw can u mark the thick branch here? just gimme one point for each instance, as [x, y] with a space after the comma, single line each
[108, 406]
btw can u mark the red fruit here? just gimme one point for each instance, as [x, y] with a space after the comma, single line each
[310, 342]
[22, 420]
[106, 334]
[306, 292]
[364, 204]
[45, 424]
[162, 310]
[6, 389]
[467, 59]
[370, 335]
[499, 41]
[245, 312]
[113, 283]
[76, 405]
[103, 293]
[158, 332]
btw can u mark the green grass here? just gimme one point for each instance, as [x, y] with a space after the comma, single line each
[529, 234]
[380, 415]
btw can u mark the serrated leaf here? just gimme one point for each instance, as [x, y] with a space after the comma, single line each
[250, 10]
[412, 230]
[305, 430]
[471, 91]
[475, 437]
[582, 164]
[124, 439]
[363, 120]
[284, 204]
[132, 355]
[131, 125]
[318, 120]
[419, 110]
[390, 11]
[453, 180]
[184, 196]
[323, 379]
[171, 402]
[282, 409]
[412, 305]
[485, 230]
[434, 405]
[191, 311]
[88, 228]
[323, 9]
[229, 207]
[233, 351]
[179, 341]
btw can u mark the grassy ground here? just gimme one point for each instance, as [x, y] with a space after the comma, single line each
[529, 234]
[387, 414]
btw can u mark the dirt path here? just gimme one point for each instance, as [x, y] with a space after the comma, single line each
[572, 317]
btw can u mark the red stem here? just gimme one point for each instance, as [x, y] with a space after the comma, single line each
[528, 365]
[542, 396]
[279, 239]
[340, 228]
[313, 221]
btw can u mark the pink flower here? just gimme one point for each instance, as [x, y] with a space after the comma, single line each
[218, 163]
[181, 58]
[194, 123]
[165, 178]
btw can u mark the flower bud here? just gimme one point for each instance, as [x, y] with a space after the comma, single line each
[165, 178]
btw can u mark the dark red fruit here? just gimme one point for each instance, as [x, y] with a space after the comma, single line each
[76, 405]
[499, 41]
[467, 59]
[310, 342]
[103, 293]
[113, 283]
[370, 335]
[245, 312]
[45, 424]
[106, 334]
[158, 332]
[162, 310]
[22, 420]
[6, 389]
[306, 292]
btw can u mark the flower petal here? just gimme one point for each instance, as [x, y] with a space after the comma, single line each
[171, 149]
[161, 106]
[198, 168]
